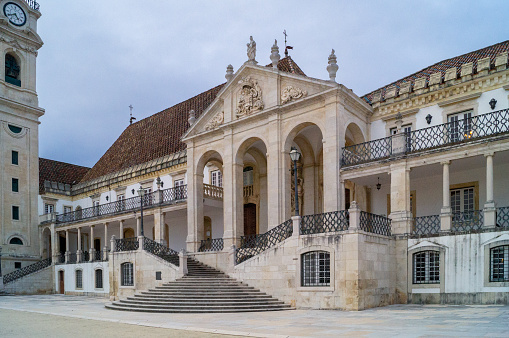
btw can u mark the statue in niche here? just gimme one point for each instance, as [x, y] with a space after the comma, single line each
[251, 50]
[250, 98]
[300, 185]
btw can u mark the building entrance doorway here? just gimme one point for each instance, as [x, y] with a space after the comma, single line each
[249, 219]
[61, 286]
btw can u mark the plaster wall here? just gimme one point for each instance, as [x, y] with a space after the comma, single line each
[88, 280]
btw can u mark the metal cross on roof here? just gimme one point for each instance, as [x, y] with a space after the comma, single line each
[286, 47]
[131, 113]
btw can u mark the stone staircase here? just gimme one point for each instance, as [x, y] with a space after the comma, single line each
[203, 290]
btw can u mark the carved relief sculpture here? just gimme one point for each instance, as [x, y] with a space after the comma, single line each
[292, 93]
[215, 122]
[250, 98]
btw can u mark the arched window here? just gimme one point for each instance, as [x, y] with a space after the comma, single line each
[12, 70]
[16, 241]
[126, 274]
[315, 268]
[426, 267]
[499, 264]
[99, 279]
[79, 279]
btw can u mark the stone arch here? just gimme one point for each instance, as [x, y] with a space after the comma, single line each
[46, 243]
[353, 135]
[16, 237]
[8, 67]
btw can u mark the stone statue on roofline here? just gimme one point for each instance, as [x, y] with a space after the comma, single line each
[251, 51]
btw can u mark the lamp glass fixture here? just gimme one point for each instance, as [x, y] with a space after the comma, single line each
[378, 185]
[294, 154]
[141, 192]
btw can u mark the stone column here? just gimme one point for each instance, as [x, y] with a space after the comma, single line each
[79, 252]
[274, 186]
[105, 248]
[446, 212]
[490, 207]
[401, 217]
[1, 278]
[194, 201]
[67, 246]
[342, 194]
[54, 244]
[159, 226]
[331, 156]
[92, 249]
[138, 226]
[355, 216]
[121, 236]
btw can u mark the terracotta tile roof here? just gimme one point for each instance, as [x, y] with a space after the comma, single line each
[159, 135]
[60, 172]
[287, 64]
[442, 66]
[153, 137]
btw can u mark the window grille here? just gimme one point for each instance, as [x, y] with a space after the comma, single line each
[12, 70]
[315, 268]
[79, 279]
[427, 267]
[127, 276]
[98, 279]
[499, 264]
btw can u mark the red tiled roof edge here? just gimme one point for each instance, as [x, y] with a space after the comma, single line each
[441, 66]
[287, 64]
[61, 172]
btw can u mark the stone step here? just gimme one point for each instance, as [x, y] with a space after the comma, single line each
[207, 310]
[191, 297]
[203, 307]
[204, 288]
[190, 293]
[204, 302]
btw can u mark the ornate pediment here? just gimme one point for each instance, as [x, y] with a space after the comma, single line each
[290, 93]
[216, 121]
[250, 97]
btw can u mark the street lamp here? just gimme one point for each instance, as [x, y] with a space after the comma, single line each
[295, 156]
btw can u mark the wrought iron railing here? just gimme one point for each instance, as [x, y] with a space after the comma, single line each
[376, 224]
[214, 244]
[326, 222]
[60, 258]
[366, 152]
[100, 256]
[451, 133]
[211, 191]
[12, 276]
[253, 245]
[426, 225]
[503, 217]
[161, 251]
[72, 258]
[167, 196]
[34, 5]
[467, 221]
[84, 257]
[127, 244]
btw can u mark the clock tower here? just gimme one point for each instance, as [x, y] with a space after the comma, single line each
[19, 137]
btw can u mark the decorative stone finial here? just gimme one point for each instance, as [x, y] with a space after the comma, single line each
[229, 73]
[274, 55]
[333, 67]
[251, 51]
[192, 117]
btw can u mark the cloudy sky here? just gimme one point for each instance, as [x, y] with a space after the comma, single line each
[100, 56]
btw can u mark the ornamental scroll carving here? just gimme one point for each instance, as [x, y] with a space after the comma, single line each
[215, 122]
[250, 98]
[292, 93]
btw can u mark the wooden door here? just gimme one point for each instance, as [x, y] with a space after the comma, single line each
[61, 287]
[249, 219]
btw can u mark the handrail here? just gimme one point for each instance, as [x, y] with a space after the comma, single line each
[161, 251]
[17, 274]
[214, 244]
[376, 224]
[426, 225]
[325, 222]
[450, 133]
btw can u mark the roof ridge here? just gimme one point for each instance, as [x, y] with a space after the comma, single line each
[404, 79]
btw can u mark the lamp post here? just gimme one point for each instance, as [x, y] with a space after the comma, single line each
[141, 193]
[295, 156]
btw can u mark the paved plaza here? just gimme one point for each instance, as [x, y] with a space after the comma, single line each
[65, 316]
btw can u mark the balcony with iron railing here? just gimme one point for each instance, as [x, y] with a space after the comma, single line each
[150, 200]
[484, 126]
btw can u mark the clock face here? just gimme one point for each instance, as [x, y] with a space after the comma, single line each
[15, 14]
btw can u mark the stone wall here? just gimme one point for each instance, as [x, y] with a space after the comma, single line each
[145, 265]
[40, 282]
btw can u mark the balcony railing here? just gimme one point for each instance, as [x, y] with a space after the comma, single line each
[215, 244]
[451, 133]
[467, 221]
[168, 196]
[127, 244]
[503, 217]
[211, 191]
[326, 222]
[248, 190]
[376, 224]
[426, 225]
[161, 251]
[34, 5]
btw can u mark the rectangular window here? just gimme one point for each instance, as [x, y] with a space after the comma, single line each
[98, 279]
[79, 279]
[49, 208]
[14, 157]
[15, 213]
[463, 204]
[179, 189]
[126, 270]
[216, 178]
[95, 205]
[499, 267]
[178, 183]
[315, 268]
[427, 267]
[17, 265]
[460, 126]
[67, 209]
[15, 185]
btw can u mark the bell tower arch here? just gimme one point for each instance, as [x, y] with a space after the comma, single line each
[19, 135]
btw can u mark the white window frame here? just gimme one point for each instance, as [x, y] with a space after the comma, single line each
[216, 178]
[49, 208]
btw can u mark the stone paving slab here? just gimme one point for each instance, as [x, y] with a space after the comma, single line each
[390, 321]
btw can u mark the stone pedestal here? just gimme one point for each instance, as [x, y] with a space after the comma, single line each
[182, 263]
[446, 219]
[490, 214]
[296, 225]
